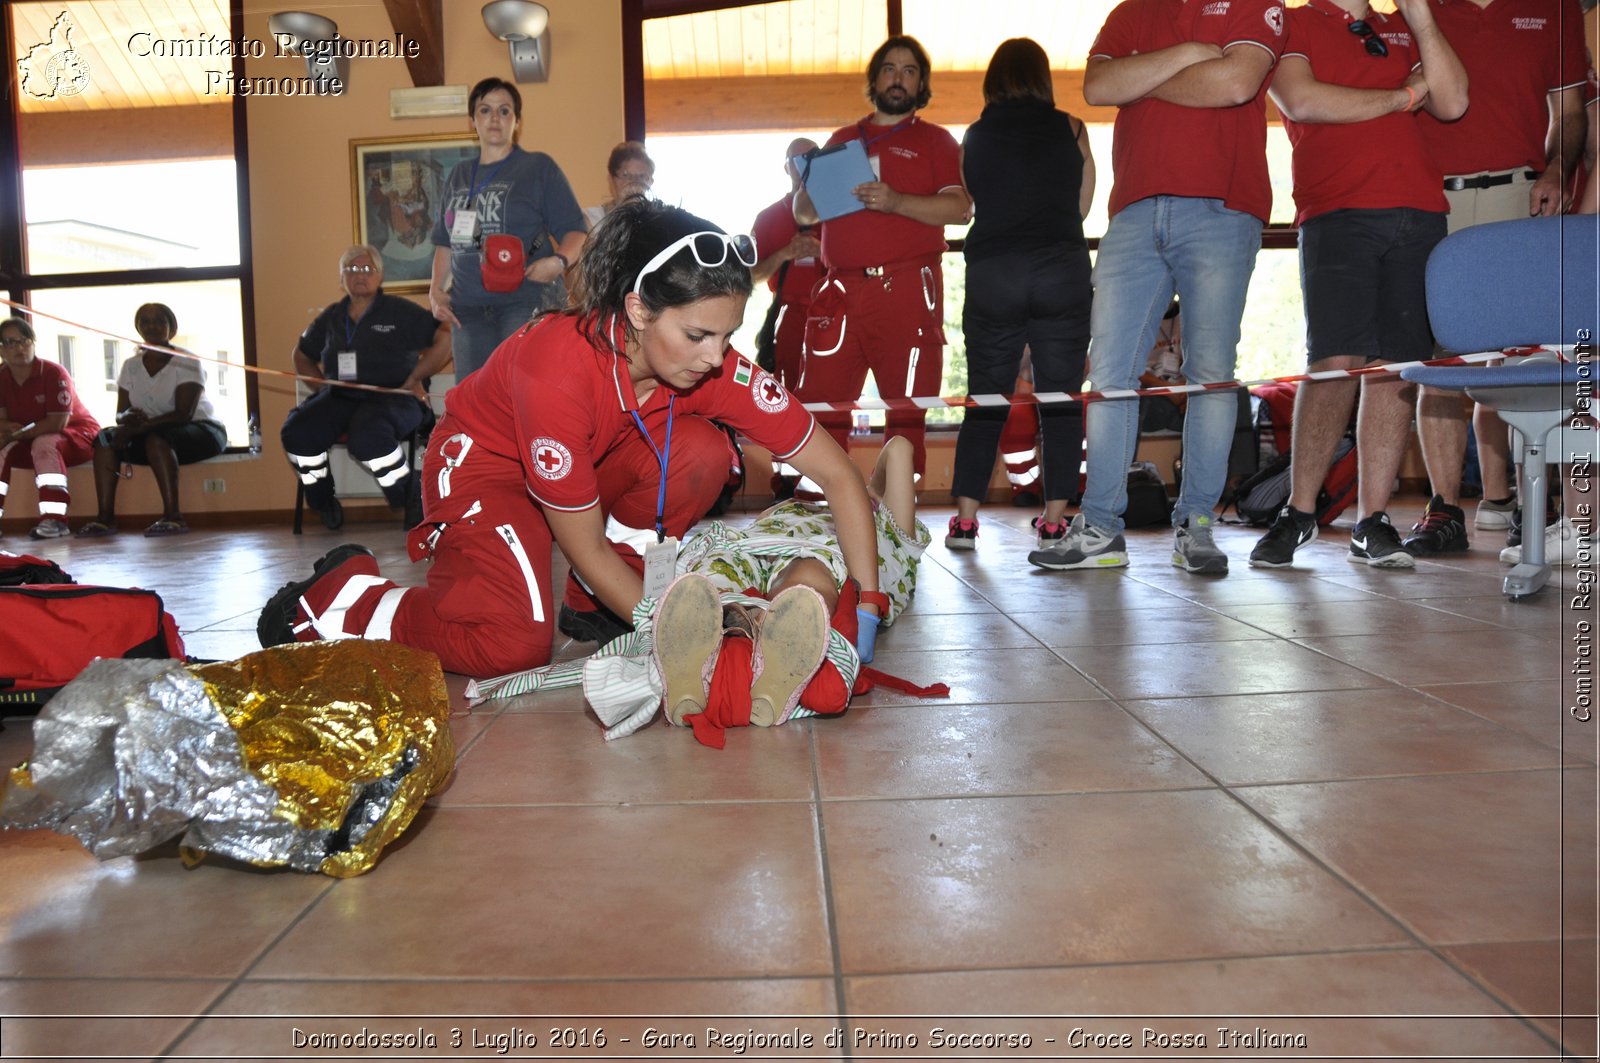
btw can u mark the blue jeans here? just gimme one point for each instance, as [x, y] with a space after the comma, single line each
[1205, 253]
[483, 328]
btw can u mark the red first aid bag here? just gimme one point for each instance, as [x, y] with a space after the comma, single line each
[504, 260]
[50, 632]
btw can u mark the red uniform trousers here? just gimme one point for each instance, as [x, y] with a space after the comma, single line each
[892, 324]
[488, 607]
[49, 456]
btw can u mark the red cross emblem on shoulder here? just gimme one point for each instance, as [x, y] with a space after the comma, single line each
[768, 393]
[551, 459]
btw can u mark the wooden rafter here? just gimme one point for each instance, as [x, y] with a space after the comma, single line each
[423, 22]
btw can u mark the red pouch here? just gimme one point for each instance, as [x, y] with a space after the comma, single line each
[502, 261]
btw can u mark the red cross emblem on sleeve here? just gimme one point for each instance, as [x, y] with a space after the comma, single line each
[768, 393]
[551, 459]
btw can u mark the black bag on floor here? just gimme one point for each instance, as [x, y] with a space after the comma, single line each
[1148, 504]
[16, 570]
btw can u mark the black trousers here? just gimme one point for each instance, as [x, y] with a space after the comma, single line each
[374, 426]
[1038, 300]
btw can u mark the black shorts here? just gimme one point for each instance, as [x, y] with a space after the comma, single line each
[1363, 274]
[190, 441]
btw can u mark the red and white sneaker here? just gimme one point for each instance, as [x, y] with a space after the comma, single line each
[315, 608]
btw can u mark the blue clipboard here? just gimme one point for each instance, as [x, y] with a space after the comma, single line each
[832, 173]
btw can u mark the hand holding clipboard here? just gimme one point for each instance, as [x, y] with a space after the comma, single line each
[832, 177]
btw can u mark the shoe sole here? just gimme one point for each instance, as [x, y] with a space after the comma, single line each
[1204, 568]
[953, 543]
[1417, 550]
[1115, 560]
[333, 516]
[688, 631]
[1398, 559]
[1256, 562]
[276, 624]
[1492, 521]
[793, 643]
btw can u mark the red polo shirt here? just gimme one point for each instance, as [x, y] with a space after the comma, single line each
[1376, 164]
[774, 228]
[47, 390]
[554, 405]
[911, 156]
[1160, 148]
[1516, 52]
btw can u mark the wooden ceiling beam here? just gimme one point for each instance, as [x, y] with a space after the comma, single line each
[423, 22]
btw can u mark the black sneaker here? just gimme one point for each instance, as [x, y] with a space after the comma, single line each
[1292, 530]
[275, 625]
[1514, 529]
[599, 626]
[333, 516]
[1442, 530]
[963, 534]
[1375, 542]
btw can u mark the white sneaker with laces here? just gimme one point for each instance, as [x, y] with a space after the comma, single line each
[1562, 546]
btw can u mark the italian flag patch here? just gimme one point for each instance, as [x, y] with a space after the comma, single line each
[745, 371]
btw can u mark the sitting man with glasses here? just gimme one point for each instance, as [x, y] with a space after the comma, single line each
[1370, 210]
[368, 338]
[590, 429]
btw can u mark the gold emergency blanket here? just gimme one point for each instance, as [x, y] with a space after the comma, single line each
[312, 756]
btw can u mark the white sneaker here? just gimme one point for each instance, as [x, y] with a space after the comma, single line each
[50, 528]
[1494, 516]
[1562, 545]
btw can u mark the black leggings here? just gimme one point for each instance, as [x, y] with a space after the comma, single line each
[1038, 300]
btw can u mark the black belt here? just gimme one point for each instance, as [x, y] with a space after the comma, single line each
[1485, 180]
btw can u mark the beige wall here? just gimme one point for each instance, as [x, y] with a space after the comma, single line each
[300, 210]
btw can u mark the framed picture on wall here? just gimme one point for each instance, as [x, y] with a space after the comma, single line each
[395, 185]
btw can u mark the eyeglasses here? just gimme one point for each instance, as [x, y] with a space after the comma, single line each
[710, 251]
[1369, 39]
[359, 269]
[16, 341]
[634, 178]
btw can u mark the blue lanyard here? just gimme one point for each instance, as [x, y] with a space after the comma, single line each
[661, 458]
[352, 328]
[472, 188]
[867, 142]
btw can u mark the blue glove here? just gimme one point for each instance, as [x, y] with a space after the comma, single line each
[866, 634]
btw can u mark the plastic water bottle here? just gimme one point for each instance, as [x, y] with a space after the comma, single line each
[863, 424]
[255, 434]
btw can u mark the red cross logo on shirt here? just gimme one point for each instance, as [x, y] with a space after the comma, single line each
[551, 459]
[768, 393]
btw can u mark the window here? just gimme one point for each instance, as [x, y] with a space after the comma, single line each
[122, 186]
[64, 348]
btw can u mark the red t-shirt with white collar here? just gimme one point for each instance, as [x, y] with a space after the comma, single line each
[47, 390]
[1516, 52]
[554, 404]
[911, 156]
[1162, 149]
[1372, 165]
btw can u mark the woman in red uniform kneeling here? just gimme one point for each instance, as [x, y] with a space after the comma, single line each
[590, 427]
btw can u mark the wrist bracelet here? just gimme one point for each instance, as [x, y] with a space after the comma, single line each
[565, 265]
[1411, 98]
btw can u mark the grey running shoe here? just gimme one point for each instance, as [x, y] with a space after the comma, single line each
[1194, 550]
[1494, 516]
[1375, 542]
[50, 528]
[1082, 547]
[1292, 530]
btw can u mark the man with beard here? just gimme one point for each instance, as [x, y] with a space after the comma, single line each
[881, 304]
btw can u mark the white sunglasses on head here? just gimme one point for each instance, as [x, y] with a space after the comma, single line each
[710, 251]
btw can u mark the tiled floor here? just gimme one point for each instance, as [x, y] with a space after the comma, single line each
[1332, 802]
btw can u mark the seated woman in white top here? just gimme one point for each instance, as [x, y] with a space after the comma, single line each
[163, 420]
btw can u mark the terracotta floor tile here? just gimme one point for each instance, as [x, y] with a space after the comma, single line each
[597, 893]
[550, 758]
[1197, 669]
[955, 631]
[1461, 858]
[977, 677]
[1370, 617]
[960, 750]
[1335, 735]
[1463, 656]
[1035, 881]
[67, 915]
[121, 1018]
[1238, 993]
[1177, 622]
[1551, 979]
[1539, 614]
[1536, 709]
[620, 1012]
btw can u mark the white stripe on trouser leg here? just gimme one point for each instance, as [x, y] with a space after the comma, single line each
[509, 534]
[382, 620]
[389, 469]
[911, 371]
[330, 625]
[1023, 479]
[5, 489]
[1017, 457]
[464, 444]
[52, 509]
[783, 468]
[51, 479]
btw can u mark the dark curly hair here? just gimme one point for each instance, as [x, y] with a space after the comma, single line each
[623, 244]
[918, 52]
